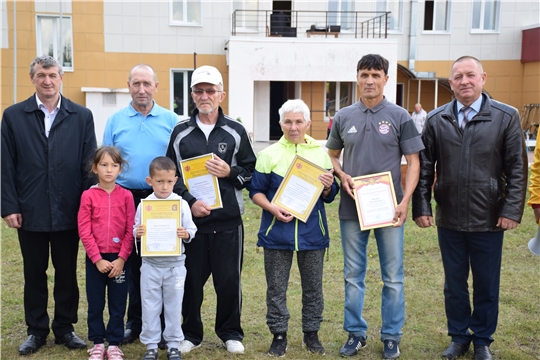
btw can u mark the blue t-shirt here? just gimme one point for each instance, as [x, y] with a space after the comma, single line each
[140, 140]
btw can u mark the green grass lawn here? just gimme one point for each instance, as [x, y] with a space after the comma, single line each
[517, 336]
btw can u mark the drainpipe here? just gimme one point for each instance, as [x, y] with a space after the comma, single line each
[412, 53]
[61, 60]
[412, 35]
[14, 51]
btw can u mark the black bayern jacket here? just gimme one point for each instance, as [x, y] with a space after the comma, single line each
[481, 171]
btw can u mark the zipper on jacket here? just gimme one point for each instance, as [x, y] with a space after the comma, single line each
[108, 221]
[321, 223]
[296, 234]
[270, 227]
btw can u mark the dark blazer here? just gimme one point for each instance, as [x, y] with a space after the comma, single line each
[481, 171]
[43, 177]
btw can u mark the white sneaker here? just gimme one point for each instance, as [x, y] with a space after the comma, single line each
[234, 346]
[186, 346]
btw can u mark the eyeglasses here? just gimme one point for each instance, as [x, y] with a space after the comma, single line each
[210, 92]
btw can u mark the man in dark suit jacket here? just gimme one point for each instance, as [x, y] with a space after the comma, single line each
[47, 143]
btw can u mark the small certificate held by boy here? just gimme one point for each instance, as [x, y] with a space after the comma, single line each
[161, 219]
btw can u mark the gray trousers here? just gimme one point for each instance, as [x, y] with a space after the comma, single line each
[277, 266]
[162, 288]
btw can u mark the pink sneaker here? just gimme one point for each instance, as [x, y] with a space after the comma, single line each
[97, 352]
[114, 353]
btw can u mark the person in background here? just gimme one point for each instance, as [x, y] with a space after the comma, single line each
[105, 219]
[475, 146]
[162, 277]
[329, 128]
[374, 134]
[281, 235]
[220, 237]
[47, 143]
[419, 117]
[141, 131]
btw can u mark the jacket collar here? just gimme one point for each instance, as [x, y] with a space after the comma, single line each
[484, 114]
[310, 142]
[220, 121]
[31, 105]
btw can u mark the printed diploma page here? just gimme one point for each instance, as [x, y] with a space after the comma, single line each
[161, 218]
[375, 200]
[199, 182]
[300, 188]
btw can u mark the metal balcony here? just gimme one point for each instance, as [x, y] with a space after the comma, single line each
[346, 24]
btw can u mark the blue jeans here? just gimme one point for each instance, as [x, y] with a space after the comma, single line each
[390, 246]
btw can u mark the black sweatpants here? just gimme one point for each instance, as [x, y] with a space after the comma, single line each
[221, 255]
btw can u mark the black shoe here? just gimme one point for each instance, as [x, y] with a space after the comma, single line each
[481, 352]
[353, 344]
[455, 350]
[162, 344]
[174, 354]
[391, 349]
[130, 336]
[32, 344]
[279, 345]
[150, 355]
[311, 340]
[71, 341]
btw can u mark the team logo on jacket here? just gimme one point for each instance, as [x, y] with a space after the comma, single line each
[384, 127]
[222, 147]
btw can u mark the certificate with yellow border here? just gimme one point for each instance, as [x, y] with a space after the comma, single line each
[161, 219]
[375, 200]
[300, 188]
[199, 182]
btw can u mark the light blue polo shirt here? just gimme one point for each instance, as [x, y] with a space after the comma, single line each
[140, 140]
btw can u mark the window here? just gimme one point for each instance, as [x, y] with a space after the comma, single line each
[54, 38]
[341, 12]
[485, 16]
[185, 12]
[246, 16]
[338, 90]
[394, 18]
[437, 15]
[181, 102]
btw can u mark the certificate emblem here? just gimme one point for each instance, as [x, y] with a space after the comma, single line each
[222, 147]
[187, 168]
[299, 165]
[148, 208]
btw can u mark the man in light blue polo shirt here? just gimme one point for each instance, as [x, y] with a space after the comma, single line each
[141, 131]
[373, 134]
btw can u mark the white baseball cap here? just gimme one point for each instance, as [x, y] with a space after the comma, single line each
[206, 74]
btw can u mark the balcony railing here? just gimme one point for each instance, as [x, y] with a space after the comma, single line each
[273, 23]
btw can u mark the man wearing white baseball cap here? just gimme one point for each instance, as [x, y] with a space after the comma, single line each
[218, 247]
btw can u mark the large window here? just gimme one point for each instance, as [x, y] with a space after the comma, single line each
[341, 12]
[54, 38]
[338, 95]
[181, 102]
[246, 18]
[185, 12]
[395, 18]
[437, 15]
[485, 16]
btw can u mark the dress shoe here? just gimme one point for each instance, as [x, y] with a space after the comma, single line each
[32, 344]
[71, 341]
[481, 352]
[455, 350]
[130, 336]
